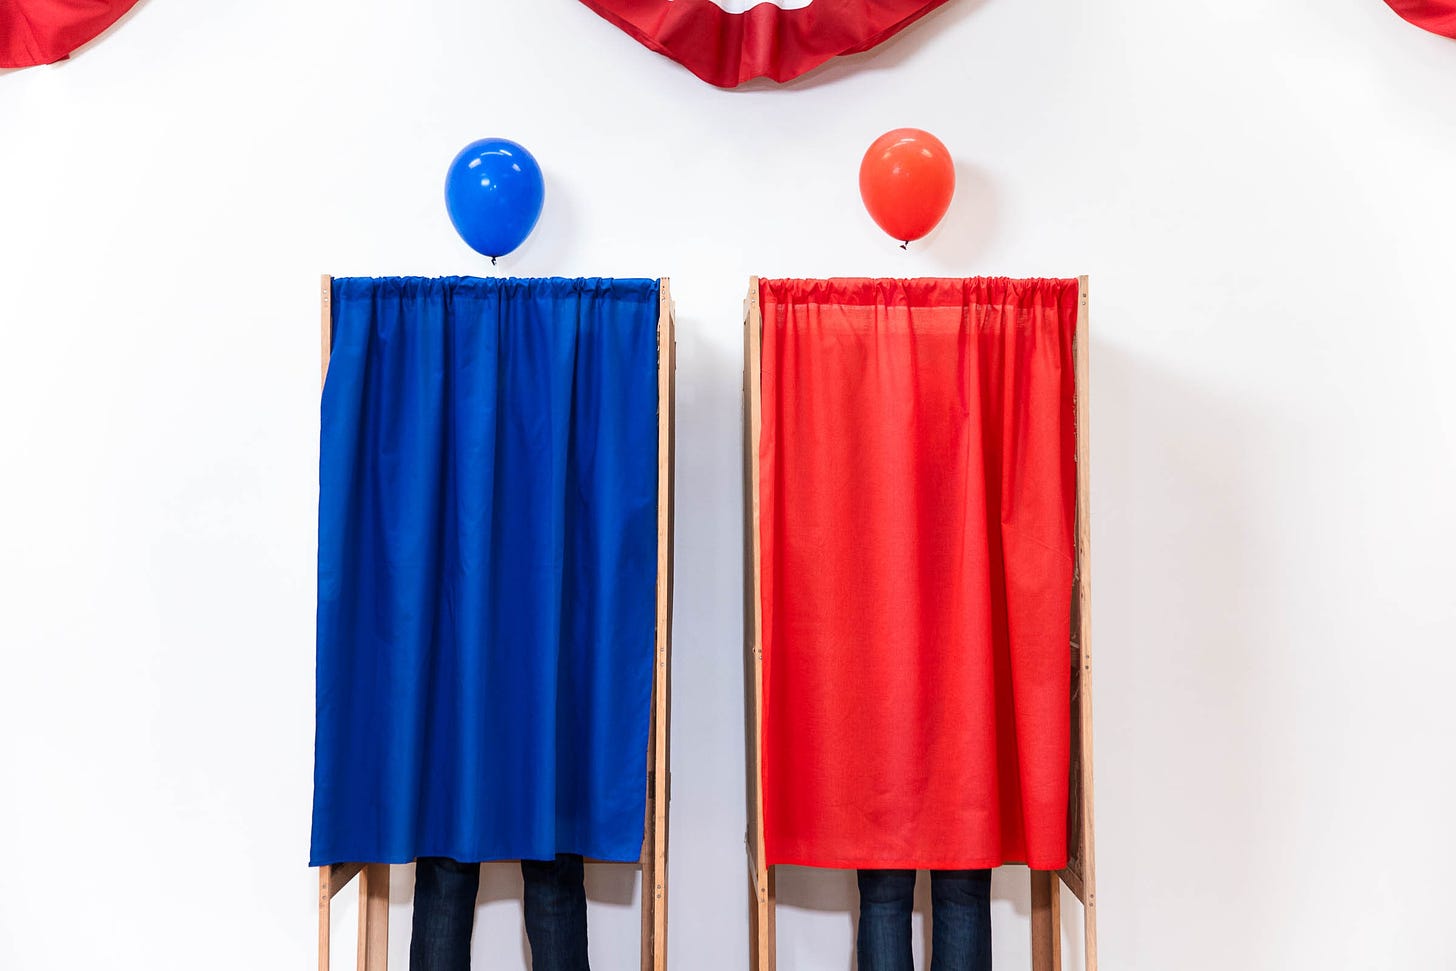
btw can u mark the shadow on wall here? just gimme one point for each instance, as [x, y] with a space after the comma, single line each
[884, 57]
[837, 891]
[549, 243]
[831, 891]
[967, 230]
[499, 883]
[1178, 471]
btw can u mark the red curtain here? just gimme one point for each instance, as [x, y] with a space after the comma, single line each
[918, 482]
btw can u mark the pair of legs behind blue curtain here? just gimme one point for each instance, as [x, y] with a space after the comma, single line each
[555, 905]
[960, 911]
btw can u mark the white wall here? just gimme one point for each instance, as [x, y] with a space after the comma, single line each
[1264, 195]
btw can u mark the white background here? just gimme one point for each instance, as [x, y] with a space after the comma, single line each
[1263, 193]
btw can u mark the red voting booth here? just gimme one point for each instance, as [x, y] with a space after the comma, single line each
[918, 584]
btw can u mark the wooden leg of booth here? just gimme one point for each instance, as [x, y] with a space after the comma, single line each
[762, 929]
[654, 842]
[1089, 930]
[649, 877]
[1046, 921]
[771, 920]
[332, 879]
[657, 894]
[374, 917]
[325, 906]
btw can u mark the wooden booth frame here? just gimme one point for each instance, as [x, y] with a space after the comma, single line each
[1079, 875]
[373, 950]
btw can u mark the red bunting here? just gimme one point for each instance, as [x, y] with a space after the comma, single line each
[45, 31]
[1437, 16]
[779, 39]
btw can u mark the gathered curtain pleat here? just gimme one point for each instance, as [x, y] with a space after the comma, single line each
[487, 569]
[917, 487]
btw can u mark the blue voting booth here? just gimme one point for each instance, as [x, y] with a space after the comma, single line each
[495, 479]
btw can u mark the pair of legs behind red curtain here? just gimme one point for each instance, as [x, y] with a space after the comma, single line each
[555, 916]
[960, 913]
[555, 913]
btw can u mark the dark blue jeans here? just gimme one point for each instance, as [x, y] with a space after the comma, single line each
[445, 913]
[960, 909]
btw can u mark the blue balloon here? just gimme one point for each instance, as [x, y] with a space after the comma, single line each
[494, 193]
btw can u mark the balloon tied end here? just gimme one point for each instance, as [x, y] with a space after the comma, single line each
[492, 261]
[905, 245]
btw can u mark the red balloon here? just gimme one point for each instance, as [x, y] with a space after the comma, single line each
[907, 179]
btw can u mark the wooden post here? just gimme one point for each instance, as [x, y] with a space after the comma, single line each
[1082, 631]
[325, 917]
[761, 882]
[327, 884]
[649, 843]
[374, 877]
[1046, 921]
[1080, 872]
[659, 777]
[374, 917]
[326, 325]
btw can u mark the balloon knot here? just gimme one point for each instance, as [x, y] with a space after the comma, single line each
[492, 261]
[905, 245]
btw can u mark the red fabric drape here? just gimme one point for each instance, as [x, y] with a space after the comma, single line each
[917, 501]
[44, 31]
[1437, 16]
[727, 49]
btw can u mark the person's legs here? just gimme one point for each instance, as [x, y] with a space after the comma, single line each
[886, 898]
[556, 913]
[444, 914]
[960, 903]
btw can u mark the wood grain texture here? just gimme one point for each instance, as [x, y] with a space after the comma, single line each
[374, 917]
[326, 325]
[325, 916]
[768, 949]
[337, 877]
[331, 878]
[647, 859]
[1046, 921]
[1083, 620]
[1073, 881]
[763, 920]
[1056, 901]
[762, 917]
[661, 776]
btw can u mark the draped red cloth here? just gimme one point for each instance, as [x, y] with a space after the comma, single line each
[44, 31]
[766, 40]
[1437, 16]
[917, 503]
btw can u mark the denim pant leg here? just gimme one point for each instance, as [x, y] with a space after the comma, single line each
[961, 909]
[886, 898]
[556, 913]
[444, 914]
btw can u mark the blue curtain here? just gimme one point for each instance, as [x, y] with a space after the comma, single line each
[487, 569]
